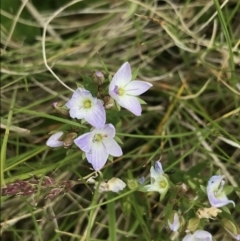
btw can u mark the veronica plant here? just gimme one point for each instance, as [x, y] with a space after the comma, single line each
[159, 180]
[83, 106]
[98, 145]
[124, 91]
[215, 192]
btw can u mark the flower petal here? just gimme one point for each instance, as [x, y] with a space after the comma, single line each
[109, 130]
[122, 77]
[202, 235]
[137, 87]
[113, 94]
[158, 168]
[153, 174]
[151, 188]
[188, 237]
[112, 147]
[115, 184]
[84, 142]
[97, 156]
[53, 140]
[96, 116]
[76, 112]
[130, 103]
[219, 201]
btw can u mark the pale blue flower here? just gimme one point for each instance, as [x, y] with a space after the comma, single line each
[54, 141]
[159, 181]
[98, 145]
[199, 235]
[83, 106]
[124, 91]
[215, 192]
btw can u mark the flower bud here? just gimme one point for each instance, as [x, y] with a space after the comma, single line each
[98, 77]
[55, 140]
[193, 224]
[61, 108]
[69, 138]
[108, 102]
[230, 228]
[141, 180]
[132, 184]
[174, 221]
[184, 188]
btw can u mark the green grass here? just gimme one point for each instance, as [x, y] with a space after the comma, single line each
[189, 51]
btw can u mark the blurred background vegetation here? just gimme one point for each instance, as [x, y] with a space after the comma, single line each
[189, 51]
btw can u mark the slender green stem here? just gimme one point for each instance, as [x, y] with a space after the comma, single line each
[5, 138]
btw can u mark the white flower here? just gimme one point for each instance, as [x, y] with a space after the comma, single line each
[174, 222]
[215, 192]
[159, 182]
[53, 140]
[199, 235]
[124, 91]
[98, 145]
[83, 106]
[115, 184]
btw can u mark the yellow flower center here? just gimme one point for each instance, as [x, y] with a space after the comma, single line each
[120, 91]
[87, 104]
[97, 137]
[163, 184]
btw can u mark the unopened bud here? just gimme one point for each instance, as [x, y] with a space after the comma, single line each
[98, 77]
[61, 108]
[141, 180]
[55, 140]
[132, 184]
[193, 224]
[108, 102]
[230, 228]
[174, 221]
[182, 188]
[69, 138]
